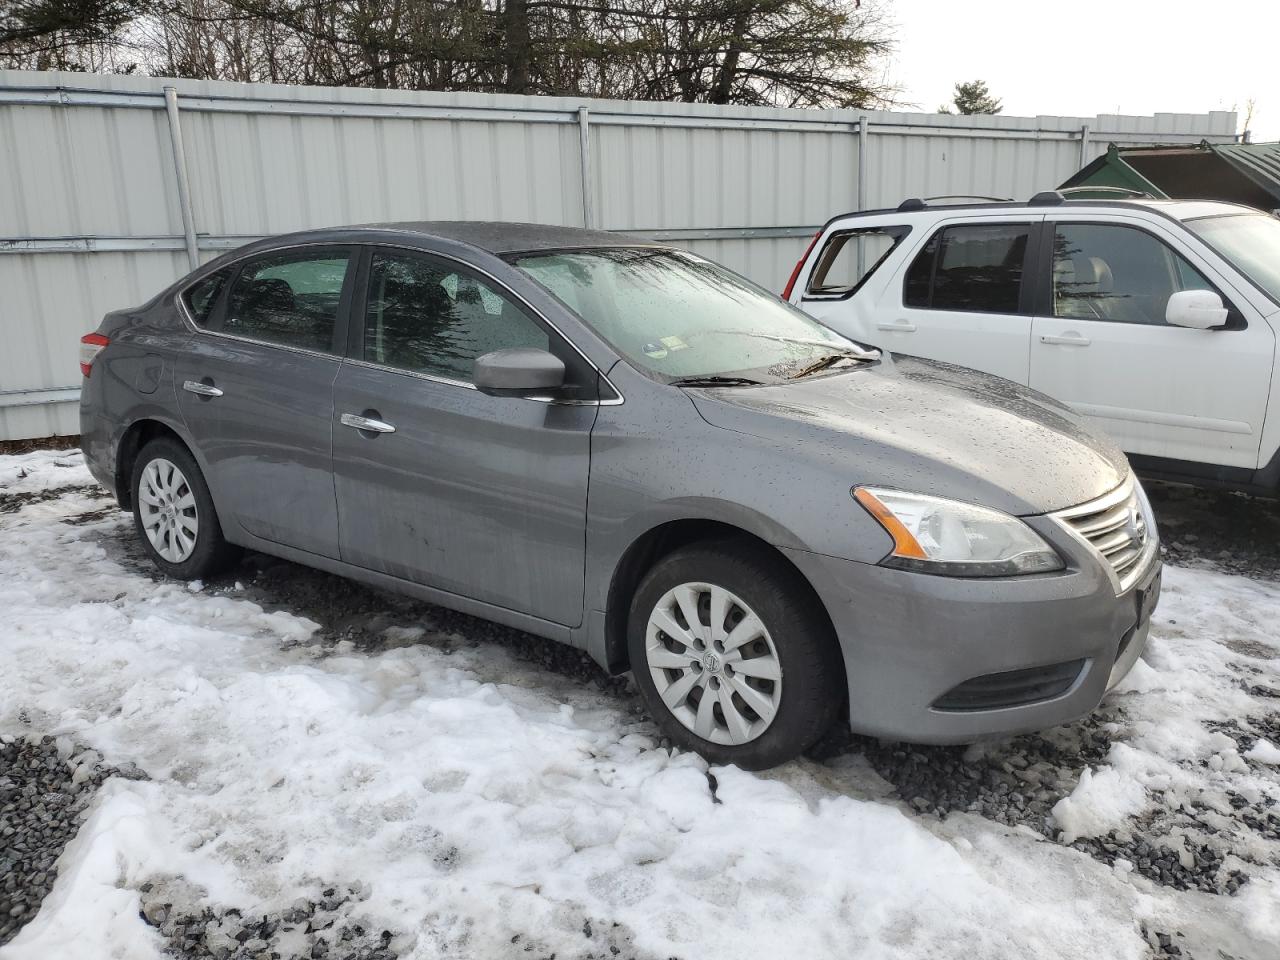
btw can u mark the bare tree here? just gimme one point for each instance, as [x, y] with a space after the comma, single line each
[776, 52]
[61, 34]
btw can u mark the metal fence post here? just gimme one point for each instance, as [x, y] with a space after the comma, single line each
[584, 137]
[862, 182]
[180, 168]
[1084, 145]
[862, 162]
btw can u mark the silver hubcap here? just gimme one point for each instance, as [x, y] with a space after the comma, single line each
[714, 663]
[168, 509]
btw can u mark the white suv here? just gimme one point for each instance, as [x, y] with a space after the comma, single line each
[1156, 318]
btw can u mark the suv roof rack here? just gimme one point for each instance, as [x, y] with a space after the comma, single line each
[1124, 191]
[1047, 198]
[916, 203]
[968, 196]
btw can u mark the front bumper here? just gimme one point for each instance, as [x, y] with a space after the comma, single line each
[910, 640]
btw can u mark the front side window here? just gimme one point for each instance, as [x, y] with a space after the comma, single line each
[1106, 271]
[290, 299]
[677, 316]
[850, 257]
[429, 316]
[975, 268]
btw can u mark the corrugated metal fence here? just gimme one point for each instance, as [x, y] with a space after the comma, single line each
[110, 187]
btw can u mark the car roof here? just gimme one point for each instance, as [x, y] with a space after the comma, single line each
[1192, 209]
[1172, 209]
[502, 238]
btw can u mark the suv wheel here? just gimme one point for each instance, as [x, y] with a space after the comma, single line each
[174, 513]
[731, 656]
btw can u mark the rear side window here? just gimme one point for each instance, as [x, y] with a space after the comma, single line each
[290, 299]
[850, 257]
[976, 268]
[429, 316]
[201, 297]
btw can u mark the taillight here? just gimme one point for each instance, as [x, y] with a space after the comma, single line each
[91, 345]
[791, 282]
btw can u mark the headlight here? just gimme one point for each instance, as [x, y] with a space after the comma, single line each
[955, 539]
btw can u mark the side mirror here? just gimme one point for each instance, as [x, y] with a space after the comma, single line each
[1198, 309]
[518, 372]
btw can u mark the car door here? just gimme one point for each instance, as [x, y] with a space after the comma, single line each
[256, 390]
[964, 299]
[480, 496]
[1101, 344]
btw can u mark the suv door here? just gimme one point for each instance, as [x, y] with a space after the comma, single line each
[1101, 344]
[964, 298]
[480, 496]
[256, 394]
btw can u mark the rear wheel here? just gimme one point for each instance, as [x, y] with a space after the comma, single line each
[732, 657]
[174, 513]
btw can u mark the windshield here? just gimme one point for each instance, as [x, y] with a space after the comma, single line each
[679, 317]
[1251, 241]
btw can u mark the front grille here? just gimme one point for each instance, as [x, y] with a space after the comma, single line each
[1013, 688]
[1116, 526]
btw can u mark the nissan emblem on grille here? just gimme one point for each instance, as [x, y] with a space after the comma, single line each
[1137, 525]
[1117, 527]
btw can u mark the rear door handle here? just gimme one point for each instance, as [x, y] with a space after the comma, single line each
[1067, 340]
[371, 424]
[901, 326]
[201, 389]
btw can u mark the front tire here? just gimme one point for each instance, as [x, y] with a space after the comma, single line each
[174, 515]
[733, 655]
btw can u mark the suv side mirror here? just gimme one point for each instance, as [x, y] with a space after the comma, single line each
[517, 372]
[1199, 309]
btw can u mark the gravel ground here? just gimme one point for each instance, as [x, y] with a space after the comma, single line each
[327, 926]
[45, 784]
[1230, 532]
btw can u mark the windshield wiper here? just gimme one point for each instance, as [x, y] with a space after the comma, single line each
[825, 363]
[855, 350]
[715, 382]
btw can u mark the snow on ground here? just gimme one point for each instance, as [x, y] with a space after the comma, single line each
[496, 808]
[42, 471]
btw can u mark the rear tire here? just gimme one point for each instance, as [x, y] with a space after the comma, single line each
[174, 514]
[758, 679]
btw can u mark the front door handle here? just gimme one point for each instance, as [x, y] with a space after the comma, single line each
[369, 424]
[899, 326]
[1067, 340]
[201, 389]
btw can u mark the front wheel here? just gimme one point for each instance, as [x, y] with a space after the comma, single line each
[732, 655]
[174, 515]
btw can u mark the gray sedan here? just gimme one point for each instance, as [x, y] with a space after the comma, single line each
[627, 448]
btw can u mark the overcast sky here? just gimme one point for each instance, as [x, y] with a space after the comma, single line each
[1088, 57]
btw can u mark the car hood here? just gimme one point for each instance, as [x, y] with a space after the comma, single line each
[932, 428]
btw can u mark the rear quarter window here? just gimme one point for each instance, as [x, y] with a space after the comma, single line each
[201, 297]
[849, 258]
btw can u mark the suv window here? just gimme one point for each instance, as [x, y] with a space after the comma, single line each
[289, 298]
[972, 267]
[430, 316]
[850, 257]
[1105, 271]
